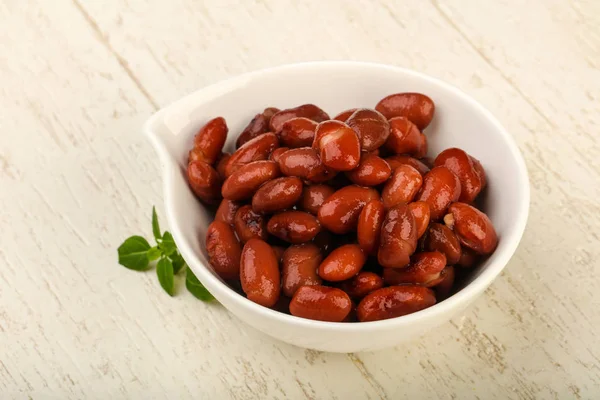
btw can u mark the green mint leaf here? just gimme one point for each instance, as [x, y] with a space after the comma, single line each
[133, 253]
[164, 271]
[178, 262]
[155, 226]
[196, 287]
[168, 245]
[154, 253]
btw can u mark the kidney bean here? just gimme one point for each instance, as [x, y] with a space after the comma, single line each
[204, 182]
[209, 141]
[223, 250]
[245, 181]
[276, 154]
[394, 301]
[277, 194]
[256, 127]
[226, 211]
[309, 111]
[304, 163]
[259, 273]
[369, 226]
[461, 164]
[371, 171]
[362, 284]
[222, 163]
[270, 111]
[371, 127]
[468, 258]
[340, 212]
[397, 160]
[398, 237]
[338, 145]
[440, 188]
[406, 138]
[298, 132]
[294, 226]
[342, 263]
[441, 238]
[351, 317]
[314, 196]
[249, 224]
[472, 228]
[344, 115]
[402, 186]
[420, 210]
[320, 303]
[256, 149]
[299, 267]
[444, 288]
[424, 269]
[417, 107]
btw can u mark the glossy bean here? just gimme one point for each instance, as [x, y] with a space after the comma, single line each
[440, 188]
[424, 269]
[276, 154]
[461, 164]
[226, 211]
[441, 238]
[256, 127]
[397, 160]
[256, 149]
[221, 164]
[209, 140]
[304, 163]
[362, 284]
[344, 115]
[223, 250]
[402, 187]
[277, 195]
[472, 228]
[342, 263]
[314, 196]
[321, 303]
[371, 127]
[309, 111]
[249, 224]
[259, 273]
[294, 226]
[298, 132]
[338, 145]
[371, 171]
[468, 258]
[204, 182]
[394, 301]
[369, 226]
[398, 237]
[299, 267]
[244, 182]
[340, 212]
[406, 138]
[417, 107]
[420, 210]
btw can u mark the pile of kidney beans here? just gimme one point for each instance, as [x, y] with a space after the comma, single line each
[340, 219]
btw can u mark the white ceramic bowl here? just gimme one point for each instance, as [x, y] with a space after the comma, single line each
[335, 86]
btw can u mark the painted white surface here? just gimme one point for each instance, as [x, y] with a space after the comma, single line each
[77, 80]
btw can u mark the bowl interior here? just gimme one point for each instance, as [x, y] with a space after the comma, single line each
[459, 122]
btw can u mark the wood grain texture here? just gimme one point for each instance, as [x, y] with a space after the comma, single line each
[80, 77]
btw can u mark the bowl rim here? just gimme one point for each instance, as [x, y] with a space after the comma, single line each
[203, 273]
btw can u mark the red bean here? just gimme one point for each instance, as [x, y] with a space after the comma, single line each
[369, 226]
[402, 187]
[259, 273]
[342, 263]
[321, 303]
[314, 196]
[256, 149]
[417, 107]
[294, 226]
[472, 228]
[441, 238]
[406, 138]
[277, 195]
[226, 211]
[398, 237]
[424, 269]
[299, 267]
[340, 212]
[244, 182]
[209, 140]
[394, 301]
[204, 182]
[338, 145]
[309, 111]
[223, 250]
[362, 284]
[298, 132]
[371, 171]
[440, 188]
[249, 224]
[371, 127]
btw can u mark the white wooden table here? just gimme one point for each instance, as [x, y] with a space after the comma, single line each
[77, 80]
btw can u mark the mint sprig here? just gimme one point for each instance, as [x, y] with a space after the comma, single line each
[136, 253]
